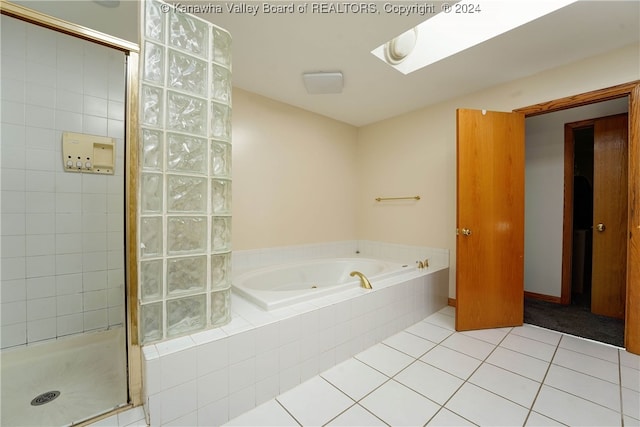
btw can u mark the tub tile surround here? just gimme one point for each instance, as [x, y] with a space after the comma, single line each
[246, 260]
[217, 374]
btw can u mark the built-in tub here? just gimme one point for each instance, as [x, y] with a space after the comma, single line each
[282, 285]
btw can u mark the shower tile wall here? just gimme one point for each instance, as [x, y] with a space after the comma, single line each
[62, 269]
[185, 182]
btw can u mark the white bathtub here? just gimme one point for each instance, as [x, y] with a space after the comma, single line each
[282, 285]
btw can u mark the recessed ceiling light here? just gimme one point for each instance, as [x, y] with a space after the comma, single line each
[323, 82]
[463, 25]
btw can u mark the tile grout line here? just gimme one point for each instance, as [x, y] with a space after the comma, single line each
[542, 382]
[580, 397]
[356, 402]
[287, 411]
[485, 361]
[360, 406]
[558, 347]
[588, 374]
[535, 398]
[390, 378]
[417, 360]
[537, 341]
[407, 354]
[467, 379]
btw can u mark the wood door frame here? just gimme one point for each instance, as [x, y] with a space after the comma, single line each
[632, 91]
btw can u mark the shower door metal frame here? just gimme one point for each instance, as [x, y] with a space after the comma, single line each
[131, 52]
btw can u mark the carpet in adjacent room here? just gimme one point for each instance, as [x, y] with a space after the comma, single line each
[575, 320]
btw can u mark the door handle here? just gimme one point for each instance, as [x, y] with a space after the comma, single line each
[601, 227]
[466, 232]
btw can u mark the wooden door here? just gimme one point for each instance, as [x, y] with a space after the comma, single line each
[609, 263]
[490, 219]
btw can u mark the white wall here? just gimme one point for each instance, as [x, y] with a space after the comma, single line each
[62, 256]
[545, 193]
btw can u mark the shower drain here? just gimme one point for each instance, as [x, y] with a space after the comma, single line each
[46, 397]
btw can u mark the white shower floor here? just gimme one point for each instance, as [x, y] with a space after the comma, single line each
[89, 371]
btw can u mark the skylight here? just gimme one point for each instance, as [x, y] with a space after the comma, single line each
[463, 25]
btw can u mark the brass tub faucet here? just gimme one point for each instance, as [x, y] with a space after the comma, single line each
[364, 282]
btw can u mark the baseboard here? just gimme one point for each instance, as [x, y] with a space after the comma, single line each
[532, 295]
[542, 297]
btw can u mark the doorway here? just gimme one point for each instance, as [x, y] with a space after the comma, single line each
[561, 174]
[595, 226]
[630, 92]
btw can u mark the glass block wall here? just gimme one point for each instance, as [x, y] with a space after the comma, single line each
[185, 179]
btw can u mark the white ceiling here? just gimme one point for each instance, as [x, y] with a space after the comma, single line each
[271, 51]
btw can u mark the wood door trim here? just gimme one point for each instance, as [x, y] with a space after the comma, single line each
[632, 317]
[600, 95]
[542, 297]
[632, 90]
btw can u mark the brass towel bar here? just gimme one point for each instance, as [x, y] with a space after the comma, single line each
[379, 199]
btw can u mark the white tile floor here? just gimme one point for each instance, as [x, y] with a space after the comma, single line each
[431, 375]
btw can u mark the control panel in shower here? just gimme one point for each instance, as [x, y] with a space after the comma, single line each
[88, 153]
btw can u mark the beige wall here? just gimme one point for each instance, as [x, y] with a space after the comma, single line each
[302, 178]
[415, 152]
[294, 175]
[545, 192]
